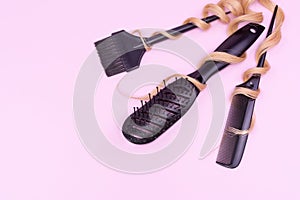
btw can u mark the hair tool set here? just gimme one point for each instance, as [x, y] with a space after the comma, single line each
[123, 52]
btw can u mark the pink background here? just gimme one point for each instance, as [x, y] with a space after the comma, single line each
[43, 45]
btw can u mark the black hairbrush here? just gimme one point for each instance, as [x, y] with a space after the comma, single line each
[240, 115]
[123, 51]
[173, 101]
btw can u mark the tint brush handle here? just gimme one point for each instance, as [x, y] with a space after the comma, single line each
[179, 30]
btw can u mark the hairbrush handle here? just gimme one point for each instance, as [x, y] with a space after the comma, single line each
[236, 45]
[170, 103]
[240, 116]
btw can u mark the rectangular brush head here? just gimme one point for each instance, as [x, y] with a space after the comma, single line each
[121, 52]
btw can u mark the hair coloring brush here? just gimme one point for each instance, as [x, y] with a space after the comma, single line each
[240, 115]
[173, 101]
[123, 51]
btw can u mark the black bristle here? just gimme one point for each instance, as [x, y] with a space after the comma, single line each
[119, 53]
[145, 106]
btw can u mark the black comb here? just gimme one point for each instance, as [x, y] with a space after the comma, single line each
[240, 115]
[123, 51]
[173, 101]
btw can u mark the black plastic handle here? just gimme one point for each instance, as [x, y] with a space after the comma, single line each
[235, 45]
[179, 30]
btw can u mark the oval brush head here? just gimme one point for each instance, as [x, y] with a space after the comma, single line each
[160, 112]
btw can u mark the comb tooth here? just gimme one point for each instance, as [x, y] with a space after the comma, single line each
[149, 96]
[157, 91]
[165, 83]
[175, 78]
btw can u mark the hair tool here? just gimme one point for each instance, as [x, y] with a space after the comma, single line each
[164, 109]
[240, 116]
[123, 51]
